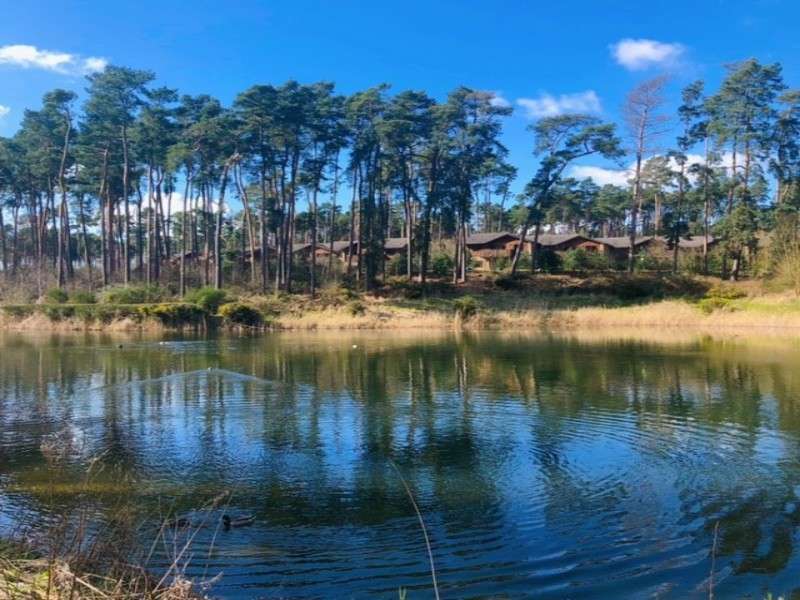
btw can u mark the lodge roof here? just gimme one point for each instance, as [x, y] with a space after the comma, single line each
[622, 242]
[479, 239]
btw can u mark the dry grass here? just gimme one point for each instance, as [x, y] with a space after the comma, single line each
[557, 302]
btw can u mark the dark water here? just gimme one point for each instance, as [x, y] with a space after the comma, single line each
[544, 467]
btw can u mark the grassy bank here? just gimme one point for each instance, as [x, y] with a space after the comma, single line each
[487, 303]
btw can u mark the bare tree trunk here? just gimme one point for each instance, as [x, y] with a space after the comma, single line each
[127, 225]
[218, 230]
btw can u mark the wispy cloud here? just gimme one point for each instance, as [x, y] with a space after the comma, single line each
[499, 100]
[31, 57]
[547, 105]
[4, 110]
[641, 54]
[622, 177]
[600, 175]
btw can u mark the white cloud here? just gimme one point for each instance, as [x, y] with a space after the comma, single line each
[547, 105]
[600, 175]
[637, 55]
[31, 57]
[499, 100]
[4, 110]
[94, 63]
[622, 177]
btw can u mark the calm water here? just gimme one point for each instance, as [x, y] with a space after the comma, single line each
[545, 467]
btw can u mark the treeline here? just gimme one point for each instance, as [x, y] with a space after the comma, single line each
[139, 184]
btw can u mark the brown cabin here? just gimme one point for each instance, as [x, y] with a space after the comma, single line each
[688, 244]
[562, 242]
[394, 246]
[303, 250]
[617, 247]
[487, 248]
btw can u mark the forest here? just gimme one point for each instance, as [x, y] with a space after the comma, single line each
[138, 183]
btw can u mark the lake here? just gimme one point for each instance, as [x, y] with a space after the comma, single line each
[544, 466]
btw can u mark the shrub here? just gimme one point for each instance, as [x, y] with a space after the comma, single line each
[709, 305]
[648, 262]
[635, 288]
[133, 294]
[84, 297]
[725, 292]
[397, 265]
[787, 271]
[548, 261]
[334, 294]
[57, 312]
[466, 306]
[441, 264]
[18, 311]
[580, 259]
[56, 296]
[208, 298]
[576, 260]
[238, 313]
[507, 282]
[356, 308]
[176, 314]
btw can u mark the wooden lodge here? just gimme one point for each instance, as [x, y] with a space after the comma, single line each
[487, 248]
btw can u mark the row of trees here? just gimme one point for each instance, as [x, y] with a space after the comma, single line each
[140, 184]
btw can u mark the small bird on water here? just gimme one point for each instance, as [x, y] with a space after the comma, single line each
[230, 523]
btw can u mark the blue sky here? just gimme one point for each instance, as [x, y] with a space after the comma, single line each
[539, 56]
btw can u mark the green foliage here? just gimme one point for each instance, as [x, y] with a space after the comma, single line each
[787, 271]
[18, 311]
[441, 264]
[709, 305]
[133, 294]
[176, 314]
[334, 295]
[507, 282]
[238, 313]
[83, 297]
[356, 308]
[725, 292]
[547, 260]
[579, 259]
[56, 296]
[208, 298]
[466, 306]
[644, 261]
[396, 265]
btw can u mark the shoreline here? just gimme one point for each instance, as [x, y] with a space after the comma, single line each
[377, 316]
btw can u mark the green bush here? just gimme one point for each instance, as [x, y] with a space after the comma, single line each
[441, 264]
[133, 294]
[83, 297]
[466, 306]
[397, 265]
[644, 261]
[548, 261]
[725, 292]
[709, 305]
[356, 308]
[176, 314]
[580, 259]
[56, 296]
[18, 311]
[208, 298]
[238, 313]
[58, 312]
[507, 282]
[334, 294]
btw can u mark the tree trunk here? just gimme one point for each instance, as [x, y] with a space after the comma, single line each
[218, 229]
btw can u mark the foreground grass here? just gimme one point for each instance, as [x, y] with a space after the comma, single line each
[543, 301]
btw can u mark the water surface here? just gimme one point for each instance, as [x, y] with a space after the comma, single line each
[544, 466]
